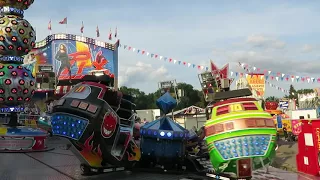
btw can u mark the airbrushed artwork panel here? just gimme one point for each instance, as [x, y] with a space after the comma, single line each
[73, 59]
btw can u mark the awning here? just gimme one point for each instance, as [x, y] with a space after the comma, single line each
[62, 89]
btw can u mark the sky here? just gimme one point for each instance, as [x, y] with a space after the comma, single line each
[280, 36]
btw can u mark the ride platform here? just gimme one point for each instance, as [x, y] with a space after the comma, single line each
[62, 164]
[22, 139]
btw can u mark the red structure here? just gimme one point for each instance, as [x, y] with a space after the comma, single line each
[308, 156]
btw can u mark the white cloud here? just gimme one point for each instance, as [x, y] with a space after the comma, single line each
[141, 74]
[265, 42]
[307, 48]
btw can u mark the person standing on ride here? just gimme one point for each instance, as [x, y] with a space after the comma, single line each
[63, 57]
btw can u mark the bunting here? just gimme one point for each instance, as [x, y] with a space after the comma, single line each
[200, 67]
[279, 76]
[164, 58]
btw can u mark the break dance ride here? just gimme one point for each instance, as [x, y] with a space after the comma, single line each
[99, 120]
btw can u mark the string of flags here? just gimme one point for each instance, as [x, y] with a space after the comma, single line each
[164, 58]
[278, 76]
[199, 67]
[277, 87]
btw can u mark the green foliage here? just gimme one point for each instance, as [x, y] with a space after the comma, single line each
[148, 101]
[191, 96]
[272, 98]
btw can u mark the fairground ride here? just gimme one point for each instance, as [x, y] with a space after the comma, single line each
[239, 134]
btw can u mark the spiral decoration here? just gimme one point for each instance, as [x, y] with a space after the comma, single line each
[17, 38]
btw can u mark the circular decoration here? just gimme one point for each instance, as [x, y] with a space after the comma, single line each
[1, 91]
[7, 81]
[25, 74]
[10, 67]
[2, 73]
[20, 67]
[14, 38]
[18, 4]
[20, 37]
[14, 91]
[19, 98]
[14, 73]
[27, 99]
[1, 99]
[21, 82]
[10, 98]
[25, 91]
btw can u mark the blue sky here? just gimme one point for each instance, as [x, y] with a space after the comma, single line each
[281, 36]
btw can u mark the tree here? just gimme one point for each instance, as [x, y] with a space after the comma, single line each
[191, 96]
[272, 98]
[292, 93]
[141, 100]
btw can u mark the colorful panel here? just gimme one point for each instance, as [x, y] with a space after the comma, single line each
[245, 146]
[75, 57]
[68, 125]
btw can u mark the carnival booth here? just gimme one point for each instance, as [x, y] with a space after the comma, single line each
[308, 157]
[163, 141]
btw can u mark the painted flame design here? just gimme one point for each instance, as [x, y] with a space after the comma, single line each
[88, 145]
[135, 153]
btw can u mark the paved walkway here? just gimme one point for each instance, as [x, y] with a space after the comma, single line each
[61, 164]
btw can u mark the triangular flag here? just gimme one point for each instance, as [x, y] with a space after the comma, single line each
[254, 68]
[236, 73]
[148, 53]
[125, 46]
[277, 78]
[165, 58]
[282, 75]
[292, 79]
[152, 55]
[269, 72]
[262, 76]
[133, 49]
[214, 68]
[161, 57]
[142, 52]
[174, 61]
[231, 73]
[207, 68]
[156, 56]
[179, 62]
[308, 79]
[246, 75]
[193, 65]
[297, 77]
[138, 50]
[189, 64]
